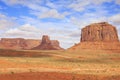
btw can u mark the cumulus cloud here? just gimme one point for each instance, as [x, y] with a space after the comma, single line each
[75, 34]
[6, 22]
[81, 5]
[51, 10]
[53, 14]
[24, 31]
[97, 2]
[84, 21]
[115, 19]
[19, 34]
[28, 28]
[33, 5]
[22, 2]
[37, 9]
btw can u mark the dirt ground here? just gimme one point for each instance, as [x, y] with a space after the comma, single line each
[54, 76]
[59, 65]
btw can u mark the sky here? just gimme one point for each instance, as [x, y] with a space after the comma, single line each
[62, 20]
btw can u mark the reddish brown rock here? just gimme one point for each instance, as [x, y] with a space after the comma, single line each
[101, 36]
[56, 44]
[99, 32]
[47, 44]
[24, 44]
[18, 43]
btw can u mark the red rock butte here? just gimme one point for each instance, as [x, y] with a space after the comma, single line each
[98, 36]
[99, 32]
[47, 44]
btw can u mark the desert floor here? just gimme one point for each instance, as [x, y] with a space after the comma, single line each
[59, 65]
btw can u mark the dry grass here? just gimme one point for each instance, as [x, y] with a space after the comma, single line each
[81, 62]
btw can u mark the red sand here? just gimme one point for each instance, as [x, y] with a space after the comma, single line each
[54, 76]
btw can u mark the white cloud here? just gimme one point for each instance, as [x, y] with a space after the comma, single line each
[2, 16]
[115, 19]
[28, 28]
[51, 5]
[97, 2]
[6, 22]
[86, 20]
[24, 31]
[53, 14]
[18, 33]
[75, 34]
[31, 4]
[81, 5]
[37, 9]
[23, 2]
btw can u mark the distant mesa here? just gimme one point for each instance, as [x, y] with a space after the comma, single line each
[27, 44]
[18, 43]
[47, 44]
[98, 36]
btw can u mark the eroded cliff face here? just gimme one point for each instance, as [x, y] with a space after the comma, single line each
[26, 44]
[99, 32]
[101, 36]
[47, 44]
[18, 43]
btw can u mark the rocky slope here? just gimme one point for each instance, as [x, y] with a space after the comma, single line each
[98, 36]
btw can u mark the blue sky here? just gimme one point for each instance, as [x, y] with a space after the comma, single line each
[60, 19]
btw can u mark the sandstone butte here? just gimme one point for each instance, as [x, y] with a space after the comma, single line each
[101, 36]
[23, 44]
[47, 44]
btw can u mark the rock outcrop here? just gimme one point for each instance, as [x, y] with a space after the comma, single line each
[27, 44]
[99, 32]
[47, 44]
[101, 36]
[18, 43]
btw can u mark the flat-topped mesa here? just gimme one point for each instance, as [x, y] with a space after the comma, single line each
[48, 44]
[18, 43]
[99, 32]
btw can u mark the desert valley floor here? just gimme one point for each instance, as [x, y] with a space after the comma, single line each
[59, 65]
